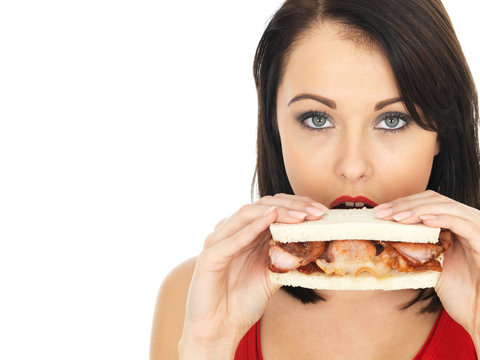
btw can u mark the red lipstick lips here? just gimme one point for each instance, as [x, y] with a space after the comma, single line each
[346, 198]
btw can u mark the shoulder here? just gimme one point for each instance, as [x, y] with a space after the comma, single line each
[170, 311]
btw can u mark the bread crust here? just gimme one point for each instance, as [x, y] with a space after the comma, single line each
[353, 224]
[356, 224]
[364, 281]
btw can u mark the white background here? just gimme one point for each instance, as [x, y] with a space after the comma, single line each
[127, 131]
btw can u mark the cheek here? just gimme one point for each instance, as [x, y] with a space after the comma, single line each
[308, 164]
[405, 169]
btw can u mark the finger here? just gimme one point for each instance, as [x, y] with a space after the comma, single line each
[289, 210]
[248, 236]
[301, 203]
[248, 214]
[428, 194]
[220, 223]
[305, 199]
[464, 229]
[405, 204]
[423, 210]
[229, 226]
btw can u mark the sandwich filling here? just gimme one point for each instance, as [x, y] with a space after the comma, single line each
[352, 257]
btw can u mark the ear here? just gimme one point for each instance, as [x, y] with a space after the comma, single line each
[437, 147]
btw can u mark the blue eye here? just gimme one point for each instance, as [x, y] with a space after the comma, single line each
[314, 120]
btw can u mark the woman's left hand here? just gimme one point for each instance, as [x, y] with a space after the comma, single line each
[458, 286]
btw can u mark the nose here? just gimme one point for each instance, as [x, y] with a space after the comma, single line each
[354, 160]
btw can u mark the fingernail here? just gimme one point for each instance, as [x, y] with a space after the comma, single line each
[384, 212]
[297, 214]
[383, 206]
[269, 211]
[320, 206]
[428, 217]
[314, 211]
[402, 216]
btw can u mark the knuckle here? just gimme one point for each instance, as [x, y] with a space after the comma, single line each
[203, 257]
[302, 197]
[306, 199]
[458, 206]
[219, 224]
[244, 213]
[432, 192]
[293, 201]
[244, 210]
[266, 199]
[292, 204]
[409, 203]
[210, 240]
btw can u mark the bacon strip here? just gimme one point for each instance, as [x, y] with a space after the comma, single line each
[350, 250]
[281, 260]
[403, 257]
[307, 251]
[417, 254]
[285, 257]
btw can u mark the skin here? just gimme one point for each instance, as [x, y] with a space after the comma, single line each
[230, 288]
[353, 156]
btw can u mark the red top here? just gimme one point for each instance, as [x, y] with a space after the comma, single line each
[447, 340]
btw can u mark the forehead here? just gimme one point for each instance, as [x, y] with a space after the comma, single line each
[331, 61]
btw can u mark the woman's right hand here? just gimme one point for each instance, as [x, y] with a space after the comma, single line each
[230, 287]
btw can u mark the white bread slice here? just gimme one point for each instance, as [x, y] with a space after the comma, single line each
[350, 224]
[364, 281]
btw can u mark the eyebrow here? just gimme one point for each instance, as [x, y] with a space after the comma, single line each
[333, 105]
[380, 105]
[330, 103]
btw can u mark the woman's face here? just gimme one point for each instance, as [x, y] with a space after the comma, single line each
[343, 128]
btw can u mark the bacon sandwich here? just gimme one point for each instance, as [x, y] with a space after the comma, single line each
[351, 249]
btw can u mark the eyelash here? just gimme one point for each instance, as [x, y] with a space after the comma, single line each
[402, 116]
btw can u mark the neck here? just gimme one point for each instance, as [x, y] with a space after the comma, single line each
[358, 316]
[350, 309]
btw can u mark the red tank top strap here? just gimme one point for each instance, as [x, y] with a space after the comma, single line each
[249, 346]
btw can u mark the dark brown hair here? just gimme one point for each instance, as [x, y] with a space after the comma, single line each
[433, 77]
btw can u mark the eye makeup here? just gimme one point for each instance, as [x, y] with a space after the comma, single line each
[407, 119]
[314, 120]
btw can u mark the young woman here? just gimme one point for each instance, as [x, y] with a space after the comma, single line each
[358, 98]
